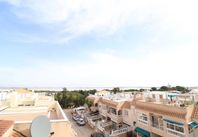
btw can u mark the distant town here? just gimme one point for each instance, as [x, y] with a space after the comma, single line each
[115, 112]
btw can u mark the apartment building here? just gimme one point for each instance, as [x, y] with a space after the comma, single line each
[112, 109]
[102, 93]
[22, 106]
[148, 114]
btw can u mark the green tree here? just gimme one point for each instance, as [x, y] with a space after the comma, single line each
[130, 90]
[153, 89]
[182, 89]
[73, 98]
[141, 90]
[88, 102]
[116, 90]
[64, 89]
[164, 88]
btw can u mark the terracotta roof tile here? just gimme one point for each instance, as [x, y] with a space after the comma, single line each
[4, 126]
[110, 102]
[195, 112]
[127, 105]
[161, 109]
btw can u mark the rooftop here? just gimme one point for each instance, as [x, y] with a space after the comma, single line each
[28, 113]
[22, 90]
[119, 97]
[24, 109]
[5, 125]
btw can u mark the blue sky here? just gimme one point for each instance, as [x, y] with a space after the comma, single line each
[98, 43]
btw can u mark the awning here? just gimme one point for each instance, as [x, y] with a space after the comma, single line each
[194, 124]
[171, 95]
[173, 122]
[142, 131]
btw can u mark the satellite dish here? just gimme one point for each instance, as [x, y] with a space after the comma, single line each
[40, 127]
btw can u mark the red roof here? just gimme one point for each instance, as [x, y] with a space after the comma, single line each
[4, 126]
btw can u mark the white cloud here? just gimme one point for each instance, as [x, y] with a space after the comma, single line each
[169, 60]
[79, 17]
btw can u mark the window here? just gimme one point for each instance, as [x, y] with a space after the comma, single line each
[175, 129]
[142, 118]
[171, 126]
[154, 121]
[190, 129]
[125, 112]
[161, 97]
[113, 110]
[119, 112]
[180, 129]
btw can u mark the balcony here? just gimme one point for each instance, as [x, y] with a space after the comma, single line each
[106, 128]
[103, 125]
[156, 121]
[92, 120]
[120, 131]
[103, 112]
[114, 117]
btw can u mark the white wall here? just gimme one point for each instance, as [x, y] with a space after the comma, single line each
[130, 118]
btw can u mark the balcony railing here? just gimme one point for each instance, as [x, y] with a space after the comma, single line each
[103, 112]
[115, 118]
[120, 131]
[105, 124]
[99, 127]
[95, 117]
[91, 123]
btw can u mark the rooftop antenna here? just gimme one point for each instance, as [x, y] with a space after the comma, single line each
[40, 127]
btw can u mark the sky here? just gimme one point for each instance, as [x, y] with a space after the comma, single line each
[98, 43]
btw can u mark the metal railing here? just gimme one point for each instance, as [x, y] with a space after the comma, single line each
[120, 131]
[94, 117]
[105, 124]
[115, 118]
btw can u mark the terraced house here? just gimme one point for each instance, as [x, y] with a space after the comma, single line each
[147, 114]
[20, 107]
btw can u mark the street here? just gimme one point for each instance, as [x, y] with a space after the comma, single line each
[82, 131]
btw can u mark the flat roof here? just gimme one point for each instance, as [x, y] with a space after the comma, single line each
[21, 117]
[23, 109]
[28, 113]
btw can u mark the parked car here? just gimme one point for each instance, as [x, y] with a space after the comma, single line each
[80, 109]
[76, 117]
[97, 134]
[81, 122]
